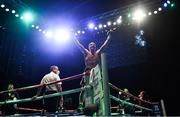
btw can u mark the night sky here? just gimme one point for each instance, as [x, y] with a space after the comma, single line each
[26, 54]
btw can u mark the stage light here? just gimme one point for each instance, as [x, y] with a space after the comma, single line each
[22, 17]
[149, 13]
[108, 23]
[28, 17]
[13, 11]
[78, 31]
[44, 32]
[40, 30]
[159, 9]
[142, 43]
[62, 35]
[6, 9]
[155, 12]
[172, 5]
[2, 5]
[91, 25]
[49, 34]
[95, 28]
[168, 2]
[37, 27]
[114, 23]
[104, 26]
[17, 15]
[100, 26]
[129, 15]
[120, 17]
[144, 15]
[83, 32]
[165, 4]
[138, 15]
[133, 18]
[32, 26]
[139, 39]
[141, 32]
[119, 21]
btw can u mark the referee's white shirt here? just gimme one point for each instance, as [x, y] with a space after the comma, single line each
[51, 77]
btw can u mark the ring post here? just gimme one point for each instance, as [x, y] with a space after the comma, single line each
[105, 84]
[163, 108]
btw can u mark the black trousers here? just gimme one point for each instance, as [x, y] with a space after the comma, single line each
[51, 104]
[9, 109]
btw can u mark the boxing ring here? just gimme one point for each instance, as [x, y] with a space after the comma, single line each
[98, 98]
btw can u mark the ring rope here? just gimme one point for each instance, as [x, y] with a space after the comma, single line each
[30, 109]
[130, 104]
[40, 85]
[135, 97]
[45, 96]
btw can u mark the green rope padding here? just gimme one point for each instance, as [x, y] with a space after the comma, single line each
[45, 96]
[129, 104]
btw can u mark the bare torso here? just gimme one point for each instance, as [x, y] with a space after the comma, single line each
[91, 60]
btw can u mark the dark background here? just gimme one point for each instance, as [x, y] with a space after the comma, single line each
[153, 68]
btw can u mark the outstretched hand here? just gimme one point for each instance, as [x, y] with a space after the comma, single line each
[109, 31]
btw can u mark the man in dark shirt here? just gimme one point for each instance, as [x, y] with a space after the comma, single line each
[123, 108]
[143, 96]
[10, 109]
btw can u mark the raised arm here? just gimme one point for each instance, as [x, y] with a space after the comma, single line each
[82, 48]
[107, 40]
